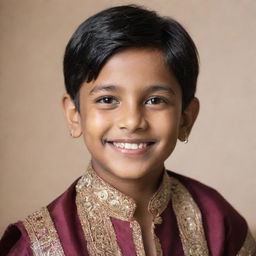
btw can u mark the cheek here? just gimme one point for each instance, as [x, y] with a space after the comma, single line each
[95, 123]
[169, 130]
[166, 123]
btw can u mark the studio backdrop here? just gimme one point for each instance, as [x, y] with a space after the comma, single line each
[39, 159]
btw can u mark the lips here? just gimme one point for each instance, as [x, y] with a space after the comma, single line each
[131, 146]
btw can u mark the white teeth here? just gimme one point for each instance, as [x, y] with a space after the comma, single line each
[130, 145]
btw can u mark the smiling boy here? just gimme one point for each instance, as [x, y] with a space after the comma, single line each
[119, 118]
[131, 78]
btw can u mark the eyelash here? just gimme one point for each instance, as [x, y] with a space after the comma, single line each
[101, 100]
[162, 100]
[109, 100]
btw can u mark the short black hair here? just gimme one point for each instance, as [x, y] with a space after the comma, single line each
[129, 26]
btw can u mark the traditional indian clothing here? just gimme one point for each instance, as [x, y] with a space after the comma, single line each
[93, 218]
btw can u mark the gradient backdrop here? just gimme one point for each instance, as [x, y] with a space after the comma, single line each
[39, 159]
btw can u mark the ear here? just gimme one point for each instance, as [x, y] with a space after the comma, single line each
[188, 119]
[72, 116]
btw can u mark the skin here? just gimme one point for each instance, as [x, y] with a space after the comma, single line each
[135, 99]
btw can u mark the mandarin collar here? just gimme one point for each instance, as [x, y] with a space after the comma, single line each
[116, 203]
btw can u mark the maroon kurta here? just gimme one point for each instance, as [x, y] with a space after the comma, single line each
[93, 218]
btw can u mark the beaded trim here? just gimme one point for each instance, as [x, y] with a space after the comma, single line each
[97, 201]
[116, 203]
[97, 226]
[137, 238]
[43, 235]
[249, 246]
[189, 221]
[159, 251]
[160, 199]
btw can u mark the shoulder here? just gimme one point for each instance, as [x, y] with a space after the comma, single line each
[19, 238]
[15, 241]
[209, 200]
[225, 229]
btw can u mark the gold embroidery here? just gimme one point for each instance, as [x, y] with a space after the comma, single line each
[189, 221]
[43, 235]
[97, 201]
[159, 251]
[116, 203]
[249, 246]
[92, 211]
[137, 238]
[160, 200]
[157, 205]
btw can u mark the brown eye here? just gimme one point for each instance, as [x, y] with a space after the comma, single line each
[155, 101]
[107, 100]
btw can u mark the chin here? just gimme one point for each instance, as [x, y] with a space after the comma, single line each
[127, 174]
[129, 171]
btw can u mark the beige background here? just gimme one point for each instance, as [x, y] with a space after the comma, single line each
[39, 159]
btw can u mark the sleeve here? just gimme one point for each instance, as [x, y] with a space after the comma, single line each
[15, 241]
[226, 231]
[237, 238]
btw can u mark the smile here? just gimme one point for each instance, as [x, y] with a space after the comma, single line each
[130, 145]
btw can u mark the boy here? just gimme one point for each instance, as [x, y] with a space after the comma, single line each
[131, 77]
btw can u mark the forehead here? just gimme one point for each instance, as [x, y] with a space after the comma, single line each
[135, 68]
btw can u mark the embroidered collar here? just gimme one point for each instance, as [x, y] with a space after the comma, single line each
[117, 204]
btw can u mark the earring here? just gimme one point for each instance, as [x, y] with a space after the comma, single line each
[186, 137]
[71, 133]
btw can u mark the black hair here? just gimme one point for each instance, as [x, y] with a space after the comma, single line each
[118, 28]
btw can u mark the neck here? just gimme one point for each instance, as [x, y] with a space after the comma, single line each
[141, 190]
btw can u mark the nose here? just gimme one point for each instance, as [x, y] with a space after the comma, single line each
[132, 119]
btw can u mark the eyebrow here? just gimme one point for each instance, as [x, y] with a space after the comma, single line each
[165, 88]
[114, 88]
[99, 88]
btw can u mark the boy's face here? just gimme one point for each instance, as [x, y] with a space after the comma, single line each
[130, 116]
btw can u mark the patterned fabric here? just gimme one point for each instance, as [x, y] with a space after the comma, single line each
[93, 218]
[43, 236]
[97, 201]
